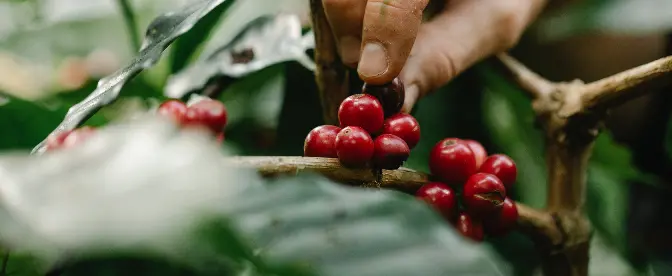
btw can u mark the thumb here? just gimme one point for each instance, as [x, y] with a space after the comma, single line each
[463, 34]
[389, 31]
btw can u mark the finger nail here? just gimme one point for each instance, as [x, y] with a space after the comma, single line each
[350, 47]
[412, 94]
[374, 60]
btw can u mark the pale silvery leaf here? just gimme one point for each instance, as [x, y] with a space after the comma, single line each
[263, 42]
[135, 184]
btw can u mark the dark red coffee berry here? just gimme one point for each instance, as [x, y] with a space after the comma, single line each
[403, 126]
[173, 109]
[441, 197]
[470, 227]
[361, 110]
[321, 142]
[479, 151]
[452, 161]
[390, 152]
[391, 95]
[503, 221]
[354, 147]
[208, 113]
[483, 194]
[502, 167]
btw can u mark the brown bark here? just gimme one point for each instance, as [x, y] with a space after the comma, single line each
[330, 74]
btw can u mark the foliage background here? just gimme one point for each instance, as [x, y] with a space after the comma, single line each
[53, 52]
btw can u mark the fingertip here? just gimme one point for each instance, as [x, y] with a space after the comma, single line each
[412, 95]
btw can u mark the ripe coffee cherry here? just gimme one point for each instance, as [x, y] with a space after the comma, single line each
[502, 222]
[174, 109]
[390, 152]
[470, 227]
[354, 146]
[478, 150]
[502, 167]
[403, 126]
[452, 161]
[441, 197]
[391, 95]
[361, 110]
[483, 194]
[321, 142]
[208, 113]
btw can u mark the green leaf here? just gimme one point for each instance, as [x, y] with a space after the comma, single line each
[143, 188]
[160, 33]
[264, 42]
[27, 123]
[510, 121]
[185, 47]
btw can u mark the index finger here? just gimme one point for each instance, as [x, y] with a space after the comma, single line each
[390, 28]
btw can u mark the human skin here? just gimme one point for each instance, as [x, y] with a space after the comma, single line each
[384, 39]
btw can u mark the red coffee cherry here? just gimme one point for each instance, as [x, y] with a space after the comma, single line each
[354, 147]
[390, 152]
[321, 142]
[502, 222]
[502, 167]
[173, 109]
[483, 194]
[452, 161]
[208, 113]
[441, 197]
[470, 227]
[391, 95]
[361, 110]
[479, 151]
[403, 126]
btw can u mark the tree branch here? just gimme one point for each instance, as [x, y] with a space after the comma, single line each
[533, 84]
[619, 88]
[536, 223]
[330, 74]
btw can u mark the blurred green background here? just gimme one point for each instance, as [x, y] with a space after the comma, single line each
[52, 52]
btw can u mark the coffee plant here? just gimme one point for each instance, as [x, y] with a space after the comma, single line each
[163, 190]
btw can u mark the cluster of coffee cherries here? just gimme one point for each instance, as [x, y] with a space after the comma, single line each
[372, 132]
[482, 206]
[205, 113]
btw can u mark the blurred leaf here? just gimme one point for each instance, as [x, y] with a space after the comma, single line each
[510, 121]
[160, 33]
[26, 123]
[166, 193]
[262, 43]
[608, 16]
[604, 260]
[186, 46]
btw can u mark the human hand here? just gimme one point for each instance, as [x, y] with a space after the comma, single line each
[384, 39]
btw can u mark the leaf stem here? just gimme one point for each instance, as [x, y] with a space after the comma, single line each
[131, 23]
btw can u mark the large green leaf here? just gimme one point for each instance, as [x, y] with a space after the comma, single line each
[160, 33]
[145, 189]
